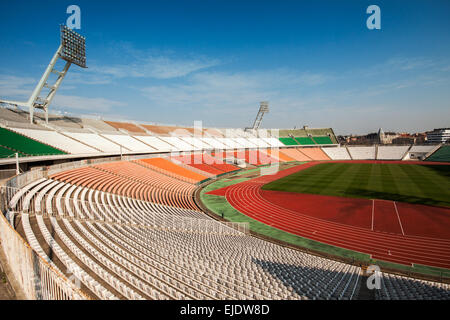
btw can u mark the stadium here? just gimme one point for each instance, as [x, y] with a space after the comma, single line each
[96, 209]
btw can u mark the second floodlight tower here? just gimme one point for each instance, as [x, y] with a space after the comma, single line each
[72, 50]
[263, 108]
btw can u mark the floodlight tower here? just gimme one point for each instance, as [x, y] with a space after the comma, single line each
[72, 50]
[263, 108]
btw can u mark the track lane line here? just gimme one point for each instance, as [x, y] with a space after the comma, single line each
[373, 210]
[398, 216]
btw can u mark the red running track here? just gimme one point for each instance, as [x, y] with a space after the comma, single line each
[390, 231]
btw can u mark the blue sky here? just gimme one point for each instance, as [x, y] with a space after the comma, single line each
[175, 62]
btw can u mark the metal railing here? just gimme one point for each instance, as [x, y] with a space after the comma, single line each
[38, 280]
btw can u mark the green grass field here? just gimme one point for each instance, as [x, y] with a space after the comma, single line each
[424, 184]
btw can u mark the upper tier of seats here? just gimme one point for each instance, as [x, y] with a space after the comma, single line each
[22, 144]
[97, 125]
[7, 153]
[323, 140]
[10, 115]
[129, 143]
[58, 140]
[130, 127]
[100, 143]
[304, 140]
[289, 141]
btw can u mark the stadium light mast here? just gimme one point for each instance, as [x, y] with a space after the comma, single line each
[72, 50]
[263, 108]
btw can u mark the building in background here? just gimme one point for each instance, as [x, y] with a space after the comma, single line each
[441, 135]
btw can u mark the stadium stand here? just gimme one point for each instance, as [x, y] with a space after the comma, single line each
[116, 261]
[218, 162]
[128, 142]
[95, 141]
[362, 153]
[288, 141]
[442, 154]
[245, 143]
[228, 143]
[23, 144]
[391, 152]
[422, 149]
[304, 141]
[57, 140]
[130, 127]
[178, 144]
[131, 180]
[314, 153]
[260, 143]
[129, 232]
[177, 171]
[59, 120]
[337, 153]
[211, 132]
[10, 115]
[395, 287]
[215, 143]
[197, 143]
[322, 140]
[196, 161]
[97, 125]
[7, 153]
[420, 152]
[273, 142]
[255, 157]
[278, 155]
[295, 154]
[155, 142]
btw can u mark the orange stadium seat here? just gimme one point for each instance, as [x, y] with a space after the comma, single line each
[127, 126]
[172, 167]
[295, 154]
[277, 154]
[314, 153]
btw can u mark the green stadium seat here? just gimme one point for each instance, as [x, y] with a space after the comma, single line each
[323, 140]
[27, 146]
[442, 154]
[8, 153]
[288, 141]
[304, 140]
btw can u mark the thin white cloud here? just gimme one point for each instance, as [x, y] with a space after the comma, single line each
[157, 67]
[93, 105]
[209, 89]
[16, 87]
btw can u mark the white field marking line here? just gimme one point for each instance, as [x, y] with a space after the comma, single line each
[399, 221]
[373, 210]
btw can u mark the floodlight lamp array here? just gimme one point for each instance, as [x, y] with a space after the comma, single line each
[73, 47]
[264, 106]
